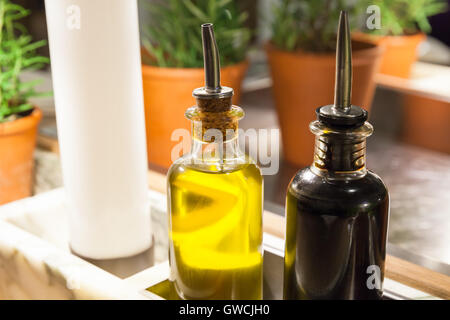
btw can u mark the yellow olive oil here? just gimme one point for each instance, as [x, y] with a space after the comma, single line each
[216, 232]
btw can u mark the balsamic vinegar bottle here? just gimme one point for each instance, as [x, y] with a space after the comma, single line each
[336, 210]
[215, 199]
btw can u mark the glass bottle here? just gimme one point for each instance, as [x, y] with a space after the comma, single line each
[215, 200]
[336, 210]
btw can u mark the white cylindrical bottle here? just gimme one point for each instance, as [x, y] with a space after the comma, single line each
[97, 82]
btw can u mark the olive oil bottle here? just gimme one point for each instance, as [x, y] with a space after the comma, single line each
[336, 210]
[215, 199]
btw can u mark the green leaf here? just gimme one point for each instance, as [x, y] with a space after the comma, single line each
[407, 16]
[311, 24]
[173, 32]
[196, 11]
[17, 54]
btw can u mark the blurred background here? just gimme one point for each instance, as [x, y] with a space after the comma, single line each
[279, 57]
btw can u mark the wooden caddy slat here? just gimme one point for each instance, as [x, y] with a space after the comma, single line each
[48, 143]
[427, 80]
[399, 270]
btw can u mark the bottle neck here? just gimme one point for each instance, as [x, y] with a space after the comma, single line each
[215, 143]
[340, 154]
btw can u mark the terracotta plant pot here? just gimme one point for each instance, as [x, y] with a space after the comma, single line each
[17, 143]
[167, 95]
[304, 81]
[426, 123]
[400, 52]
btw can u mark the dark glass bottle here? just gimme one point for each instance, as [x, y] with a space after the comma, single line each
[336, 217]
[336, 210]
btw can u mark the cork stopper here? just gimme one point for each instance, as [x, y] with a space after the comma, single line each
[214, 105]
[207, 123]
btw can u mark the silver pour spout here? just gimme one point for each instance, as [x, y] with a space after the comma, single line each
[342, 113]
[343, 84]
[211, 59]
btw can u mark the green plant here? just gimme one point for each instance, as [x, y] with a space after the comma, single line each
[17, 54]
[311, 25]
[406, 16]
[173, 38]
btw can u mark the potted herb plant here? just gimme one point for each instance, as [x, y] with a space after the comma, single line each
[19, 119]
[173, 63]
[404, 24]
[302, 60]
